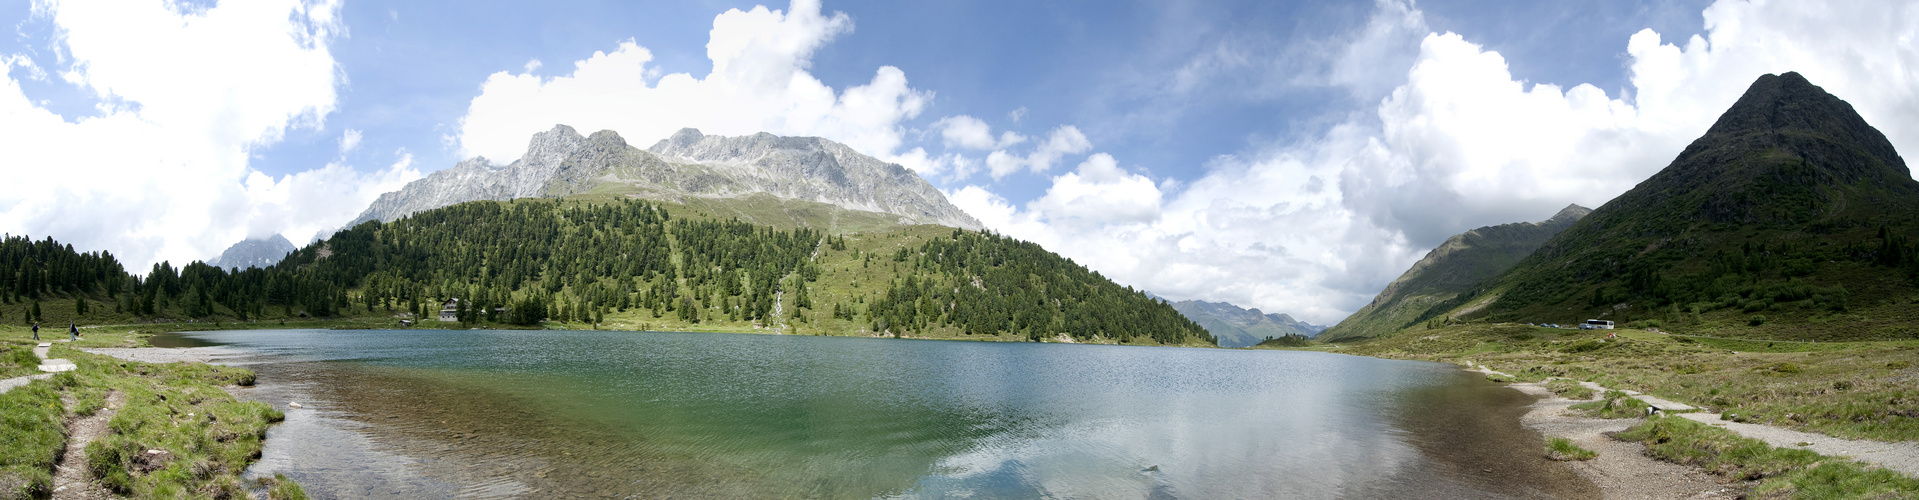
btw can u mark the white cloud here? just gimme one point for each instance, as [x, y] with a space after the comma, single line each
[759, 83]
[349, 141]
[1100, 192]
[162, 173]
[973, 133]
[1062, 141]
[1316, 227]
[305, 205]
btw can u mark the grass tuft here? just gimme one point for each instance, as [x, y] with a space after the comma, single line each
[1563, 449]
[1569, 388]
[1787, 473]
[1615, 404]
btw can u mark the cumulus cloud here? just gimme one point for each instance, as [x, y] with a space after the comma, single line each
[1100, 192]
[1062, 141]
[759, 83]
[349, 141]
[184, 94]
[307, 205]
[972, 133]
[1316, 227]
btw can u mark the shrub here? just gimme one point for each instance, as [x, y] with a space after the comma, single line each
[1756, 321]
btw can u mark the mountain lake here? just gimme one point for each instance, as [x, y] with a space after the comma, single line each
[505, 414]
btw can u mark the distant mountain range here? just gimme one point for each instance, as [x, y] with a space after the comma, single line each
[1448, 270]
[1238, 327]
[683, 168]
[262, 252]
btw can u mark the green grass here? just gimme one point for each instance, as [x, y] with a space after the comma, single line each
[1786, 473]
[1563, 449]
[1854, 390]
[1615, 404]
[1569, 388]
[204, 438]
[32, 436]
[281, 488]
[17, 360]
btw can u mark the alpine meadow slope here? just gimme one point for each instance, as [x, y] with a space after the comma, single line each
[1452, 268]
[1789, 219]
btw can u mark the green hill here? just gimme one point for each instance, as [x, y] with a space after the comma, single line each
[624, 264]
[1454, 267]
[1789, 219]
[1238, 327]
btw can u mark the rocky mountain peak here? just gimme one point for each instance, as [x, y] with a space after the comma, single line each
[685, 138]
[256, 252]
[1566, 216]
[1788, 113]
[561, 162]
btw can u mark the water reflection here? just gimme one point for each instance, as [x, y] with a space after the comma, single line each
[716, 415]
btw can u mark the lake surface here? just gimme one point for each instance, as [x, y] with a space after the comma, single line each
[428, 413]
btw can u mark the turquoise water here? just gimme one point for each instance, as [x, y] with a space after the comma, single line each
[424, 413]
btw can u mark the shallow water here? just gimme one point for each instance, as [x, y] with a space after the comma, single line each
[427, 413]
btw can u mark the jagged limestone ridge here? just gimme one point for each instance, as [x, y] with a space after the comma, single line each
[560, 162]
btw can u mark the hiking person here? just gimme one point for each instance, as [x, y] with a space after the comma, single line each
[73, 331]
[36, 330]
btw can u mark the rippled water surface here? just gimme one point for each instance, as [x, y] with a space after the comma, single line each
[426, 413]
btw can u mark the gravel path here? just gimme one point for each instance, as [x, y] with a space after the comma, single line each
[9, 384]
[1621, 470]
[1902, 457]
[209, 355]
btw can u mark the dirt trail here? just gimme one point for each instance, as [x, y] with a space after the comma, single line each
[1902, 457]
[72, 480]
[1622, 470]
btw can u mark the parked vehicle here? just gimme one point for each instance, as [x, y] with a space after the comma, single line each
[1596, 324]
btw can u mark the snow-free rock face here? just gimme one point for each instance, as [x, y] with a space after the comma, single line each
[262, 253]
[560, 162]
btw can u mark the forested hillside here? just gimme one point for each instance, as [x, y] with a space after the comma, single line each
[1790, 219]
[623, 264]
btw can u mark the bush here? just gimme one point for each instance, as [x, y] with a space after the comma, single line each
[1756, 321]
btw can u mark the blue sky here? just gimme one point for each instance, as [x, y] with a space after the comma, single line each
[1293, 156]
[412, 67]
